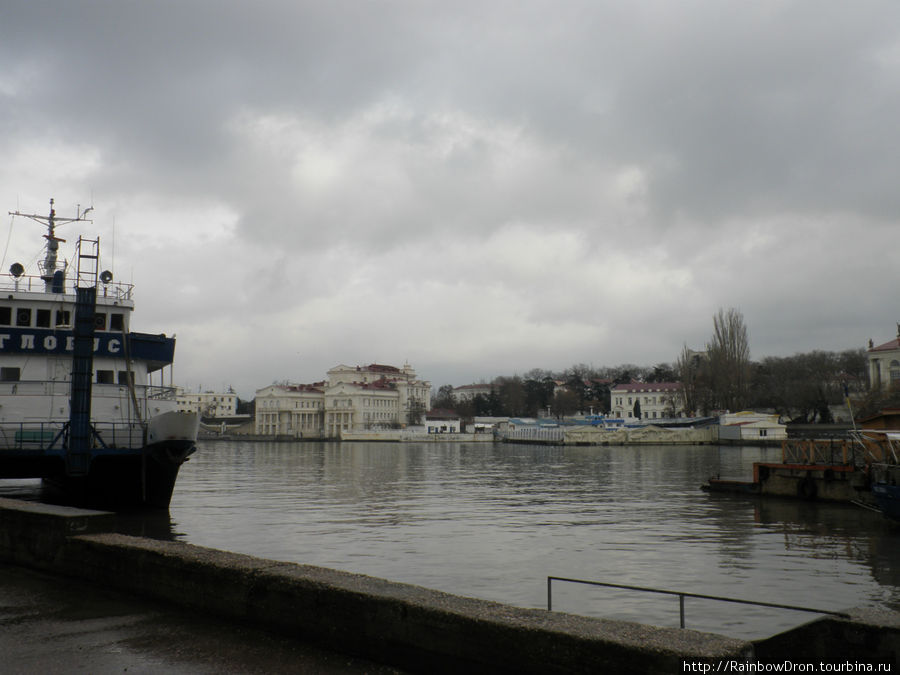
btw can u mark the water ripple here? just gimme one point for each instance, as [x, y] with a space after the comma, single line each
[492, 521]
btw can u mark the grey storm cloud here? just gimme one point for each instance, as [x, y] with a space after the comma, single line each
[588, 180]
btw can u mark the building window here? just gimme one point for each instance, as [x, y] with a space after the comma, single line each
[23, 317]
[5, 316]
[62, 317]
[117, 322]
[43, 318]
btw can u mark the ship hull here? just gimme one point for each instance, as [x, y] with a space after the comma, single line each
[123, 480]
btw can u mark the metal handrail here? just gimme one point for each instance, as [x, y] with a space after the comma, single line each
[44, 436]
[683, 594]
[35, 283]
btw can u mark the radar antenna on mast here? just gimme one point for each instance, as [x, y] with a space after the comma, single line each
[49, 266]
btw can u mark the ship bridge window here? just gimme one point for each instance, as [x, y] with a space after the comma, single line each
[62, 318]
[9, 374]
[43, 318]
[23, 317]
[117, 322]
[100, 321]
[5, 316]
[126, 378]
[104, 377]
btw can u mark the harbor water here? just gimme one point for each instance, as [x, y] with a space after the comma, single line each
[493, 521]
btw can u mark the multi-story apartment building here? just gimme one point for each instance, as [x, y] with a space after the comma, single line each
[656, 400]
[353, 398]
[208, 403]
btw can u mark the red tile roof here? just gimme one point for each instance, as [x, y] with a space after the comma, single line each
[887, 346]
[382, 369]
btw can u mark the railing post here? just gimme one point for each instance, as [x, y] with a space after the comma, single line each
[681, 607]
[549, 595]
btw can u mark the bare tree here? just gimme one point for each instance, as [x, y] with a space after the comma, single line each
[729, 360]
[688, 369]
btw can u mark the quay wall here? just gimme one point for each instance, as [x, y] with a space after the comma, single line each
[828, 482]
[409, 627]
[406, 626]
[587, 435]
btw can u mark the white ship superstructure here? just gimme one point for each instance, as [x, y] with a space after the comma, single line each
[122, 396]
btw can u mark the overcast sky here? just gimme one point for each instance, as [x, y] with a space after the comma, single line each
[476, 188]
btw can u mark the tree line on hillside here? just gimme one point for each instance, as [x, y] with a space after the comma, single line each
[799, 388]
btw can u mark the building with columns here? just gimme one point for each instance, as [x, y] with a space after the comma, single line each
[353, 398]
[884, 364]
[294, 410]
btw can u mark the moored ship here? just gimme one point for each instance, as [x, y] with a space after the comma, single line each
[83, 399]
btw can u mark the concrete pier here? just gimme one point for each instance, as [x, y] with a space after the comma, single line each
[822, 482]
[54, 626]
[400, 625]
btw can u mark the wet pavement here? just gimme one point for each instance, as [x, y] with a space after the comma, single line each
[53, 625]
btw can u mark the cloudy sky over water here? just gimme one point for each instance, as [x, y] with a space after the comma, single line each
[478, 188]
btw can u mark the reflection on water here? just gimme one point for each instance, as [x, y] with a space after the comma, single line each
[493, 521]
[28, 489]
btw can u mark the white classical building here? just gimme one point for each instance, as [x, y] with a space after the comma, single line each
[884, 364]
[658, 400]
[295, 410]
[353, 398]
[207, 403]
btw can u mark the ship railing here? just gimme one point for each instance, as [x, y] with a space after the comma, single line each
[33, 283]
[684, 594]
[98, 389]
[32, 435]
[829, 451]
[111, 398]
[44, 436]
[119, 435]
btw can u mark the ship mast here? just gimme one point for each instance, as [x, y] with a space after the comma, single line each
[49, 267]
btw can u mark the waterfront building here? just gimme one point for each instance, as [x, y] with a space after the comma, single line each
[353, 398]
[442, 421]
[657, 400]
[751, 426]
[884, 364]
[295, 410]
[207, 403]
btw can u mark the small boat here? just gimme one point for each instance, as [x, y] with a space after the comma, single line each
[83, 399]
[881, 450]
[888, 499]
[885, 488]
